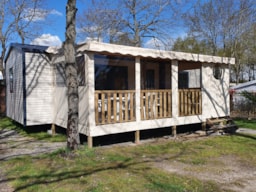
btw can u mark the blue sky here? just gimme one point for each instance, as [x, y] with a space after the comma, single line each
[54, 33]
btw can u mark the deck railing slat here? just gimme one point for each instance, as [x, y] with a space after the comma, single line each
[114, 106]
[117, 106]
[190, 102]
[156, 104]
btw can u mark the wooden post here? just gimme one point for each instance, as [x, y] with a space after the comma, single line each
[204, 126]
[90, 142]
[174, 132]
[53, 128]
[137, 137]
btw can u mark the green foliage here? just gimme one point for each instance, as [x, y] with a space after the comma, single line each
[250, 96]
[191, 45]
[245, 123]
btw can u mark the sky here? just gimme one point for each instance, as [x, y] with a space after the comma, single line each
[54, 33]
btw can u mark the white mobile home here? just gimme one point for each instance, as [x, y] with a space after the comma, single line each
[124, 89]
[29, 85]
[241, 105]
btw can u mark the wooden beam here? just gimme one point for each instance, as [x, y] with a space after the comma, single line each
[204, 126]
[137, 137]
[174, 132]
[90, 141]
[53, 128]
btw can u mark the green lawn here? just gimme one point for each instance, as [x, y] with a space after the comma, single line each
[245, 123]
[128, 168]
[6, 123]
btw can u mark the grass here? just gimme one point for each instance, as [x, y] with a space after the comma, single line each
[35, 132]
[245, 123]
[126, 168]
[98, 170]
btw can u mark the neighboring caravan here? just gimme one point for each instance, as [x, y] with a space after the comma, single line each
[121, 88]
[29, 85]
[241, 105]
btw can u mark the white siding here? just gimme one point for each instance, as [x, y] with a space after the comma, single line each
[61, 106]
[14, 100]
[39, 89]
[215, 100]
[215, 95]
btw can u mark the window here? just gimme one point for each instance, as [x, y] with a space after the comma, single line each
[183, 80]
[61, 76]
[150, 79]
[11, 79]
[80, 70]
[114, 73]
[217, 72]
[111, 77]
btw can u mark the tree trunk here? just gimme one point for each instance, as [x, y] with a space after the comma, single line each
[2, 60]
[71, 76]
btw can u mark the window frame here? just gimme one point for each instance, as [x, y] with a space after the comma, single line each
[11, 79]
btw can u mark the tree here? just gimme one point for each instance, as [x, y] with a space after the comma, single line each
[191, 45]
[100, 21]
[17, 17]
[71, 76]
[224, 25]
[130, 21]
[249, 103]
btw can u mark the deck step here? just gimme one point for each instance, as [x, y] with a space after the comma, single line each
[221, 125]
[214, 121]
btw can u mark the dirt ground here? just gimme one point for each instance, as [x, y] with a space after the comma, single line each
[229, 173]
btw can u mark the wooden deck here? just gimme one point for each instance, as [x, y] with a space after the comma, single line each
[118, 106]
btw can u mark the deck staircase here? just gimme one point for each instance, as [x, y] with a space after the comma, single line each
[220, 126]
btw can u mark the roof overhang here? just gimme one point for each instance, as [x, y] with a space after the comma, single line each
[151, 53]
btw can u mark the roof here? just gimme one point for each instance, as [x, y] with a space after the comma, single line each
[26, 47]
[152, 53]
[245, 85]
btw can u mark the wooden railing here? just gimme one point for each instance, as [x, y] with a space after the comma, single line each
[114, 106]
[190, 102]
[118, 106]
[156, 104]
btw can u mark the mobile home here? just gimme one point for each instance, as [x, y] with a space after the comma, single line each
[121, 88]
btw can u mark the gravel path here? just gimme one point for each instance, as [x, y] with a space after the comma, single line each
[14, 145]
[247, 131]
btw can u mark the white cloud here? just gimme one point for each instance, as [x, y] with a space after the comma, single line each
[47, 40]
[55, 12]
[39, 14]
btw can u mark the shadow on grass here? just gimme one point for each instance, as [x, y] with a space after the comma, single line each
[55, 176]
